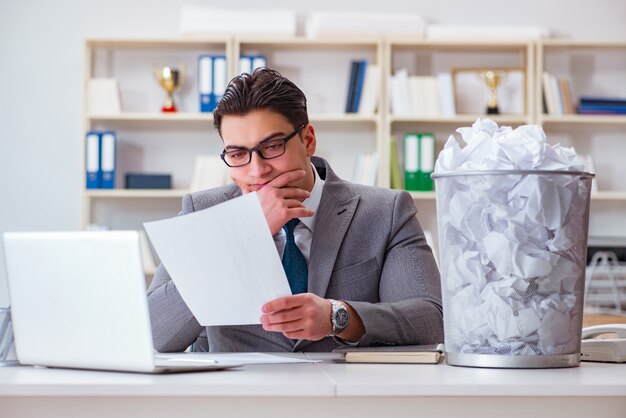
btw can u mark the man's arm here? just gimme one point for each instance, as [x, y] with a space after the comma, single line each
[409, 311]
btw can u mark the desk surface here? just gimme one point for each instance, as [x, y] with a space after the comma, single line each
[327, 378]
[369, 387]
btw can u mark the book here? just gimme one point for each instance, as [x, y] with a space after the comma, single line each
[352, 84]
[399, 354]
[209, 171]
[446, 95]
[92, 160]
[371, 90]
[205, 83]
[567, 96]
[362, 66]
[411, 161]
[426, 161]
[400, 99]
[107, 160]
[394, 163]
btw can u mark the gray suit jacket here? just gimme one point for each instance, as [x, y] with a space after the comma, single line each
[368, 249]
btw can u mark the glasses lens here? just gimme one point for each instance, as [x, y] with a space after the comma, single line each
[272, 149]
[237, 157]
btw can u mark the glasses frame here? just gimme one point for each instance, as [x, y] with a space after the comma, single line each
[259, 145]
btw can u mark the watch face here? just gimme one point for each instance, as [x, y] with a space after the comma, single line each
[341, 318]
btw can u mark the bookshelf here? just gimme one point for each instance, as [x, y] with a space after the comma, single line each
[428, 58]
[593, 68]
[150, 141]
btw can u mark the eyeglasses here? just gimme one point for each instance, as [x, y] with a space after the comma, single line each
[272, 148]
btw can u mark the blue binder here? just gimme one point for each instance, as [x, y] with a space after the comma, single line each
[92, 159]
[107, 159]
[205, 82]
[220, 79]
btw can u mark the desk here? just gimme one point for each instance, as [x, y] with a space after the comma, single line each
[318, 390]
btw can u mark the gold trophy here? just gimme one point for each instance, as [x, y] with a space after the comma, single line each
[170, 79]
[492, 78]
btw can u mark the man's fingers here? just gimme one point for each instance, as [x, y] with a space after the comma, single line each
[285, 302]
[286, 178]
[293, 193]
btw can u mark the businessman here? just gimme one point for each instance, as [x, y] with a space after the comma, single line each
[357, 262]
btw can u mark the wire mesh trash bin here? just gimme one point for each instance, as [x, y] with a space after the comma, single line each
[513, 246]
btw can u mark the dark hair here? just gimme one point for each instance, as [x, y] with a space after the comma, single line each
[263, 89]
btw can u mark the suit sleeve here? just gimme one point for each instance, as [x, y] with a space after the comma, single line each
[409, 311]
[174, 327]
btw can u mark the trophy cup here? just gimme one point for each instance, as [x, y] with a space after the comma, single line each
[492, 79]
[170, 79]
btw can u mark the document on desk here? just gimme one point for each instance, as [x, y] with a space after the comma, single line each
[223, 261]
[249, 358]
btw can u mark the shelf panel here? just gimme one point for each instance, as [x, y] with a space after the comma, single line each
[135, 193]
[512, 119]
[459, 44]
[609, 195]
[584, 119]
[208, 117]
[159, 43]
[568, 43]
[343, 117]
[301, 42]
[153, 117]
[423, 195]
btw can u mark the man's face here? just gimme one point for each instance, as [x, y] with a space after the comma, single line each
[260, 125]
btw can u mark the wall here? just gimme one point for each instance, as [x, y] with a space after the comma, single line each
[41, 68]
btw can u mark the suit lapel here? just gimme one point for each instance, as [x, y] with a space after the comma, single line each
[331, 226]
[333, 218]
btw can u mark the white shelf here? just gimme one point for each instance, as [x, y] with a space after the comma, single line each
[153, 117]
[208, 117]
[609, 195]
[512, 119]
[157, 43]
[135, 193]
[459, 44]
[584, 119]
[343, 117]
[423, 195]
[316, 43]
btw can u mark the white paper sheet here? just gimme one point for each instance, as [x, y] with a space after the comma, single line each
[235, 358]
[222, 260]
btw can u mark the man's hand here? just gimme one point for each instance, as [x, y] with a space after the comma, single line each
[303, 316]
[281, 202]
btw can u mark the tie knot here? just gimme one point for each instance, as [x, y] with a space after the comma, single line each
[291, 225]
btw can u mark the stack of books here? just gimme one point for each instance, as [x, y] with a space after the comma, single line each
[422, 96]
[601, 106]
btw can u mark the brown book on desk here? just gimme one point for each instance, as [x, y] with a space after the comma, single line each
[401, 354]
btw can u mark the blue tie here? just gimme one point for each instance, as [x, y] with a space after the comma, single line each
[294, 262]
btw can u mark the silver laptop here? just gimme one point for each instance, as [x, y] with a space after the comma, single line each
[78, 300]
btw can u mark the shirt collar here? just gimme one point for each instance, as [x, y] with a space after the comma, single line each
[313, 201]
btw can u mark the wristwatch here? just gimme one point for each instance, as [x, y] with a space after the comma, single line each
[339, 316]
